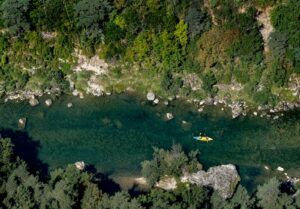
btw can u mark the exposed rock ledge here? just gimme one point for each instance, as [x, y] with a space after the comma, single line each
[93, 64]
[223, 178]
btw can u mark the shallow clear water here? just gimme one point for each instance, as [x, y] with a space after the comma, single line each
[116, 133]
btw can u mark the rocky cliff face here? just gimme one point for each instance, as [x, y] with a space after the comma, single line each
[223, 178]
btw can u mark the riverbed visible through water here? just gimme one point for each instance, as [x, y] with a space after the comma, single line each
[116, 133]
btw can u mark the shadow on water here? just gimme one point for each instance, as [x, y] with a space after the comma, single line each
[105, 183]
[26, 149]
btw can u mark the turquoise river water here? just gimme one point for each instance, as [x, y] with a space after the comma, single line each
[116, 133]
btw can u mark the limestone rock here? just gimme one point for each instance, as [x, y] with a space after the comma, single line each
[156, 101]
[169, 116]
[22, 123]
[279, 168]
[223, 178]
[48, 102]
[80, 165]
[167, 183]
[69, 105]
[33, 102]
[150, 96]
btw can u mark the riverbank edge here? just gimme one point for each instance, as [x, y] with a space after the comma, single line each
[101, 81]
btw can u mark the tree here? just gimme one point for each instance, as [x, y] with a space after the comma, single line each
[285, 19]
[65, 187]
[181, 33]
[169, 162]
[270, 197]
[277, 44]
[209, 80]
[23, 190]
[90, 16]
[120, 200]
[197, 21]
[92, 197]
[15, 14]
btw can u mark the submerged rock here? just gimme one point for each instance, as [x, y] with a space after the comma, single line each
[22, 123]
[150, 96]
[69, 105]
[223, 178]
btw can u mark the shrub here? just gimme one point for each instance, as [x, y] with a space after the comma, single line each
[209, 80]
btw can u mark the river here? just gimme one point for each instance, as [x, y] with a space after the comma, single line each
[116, 133]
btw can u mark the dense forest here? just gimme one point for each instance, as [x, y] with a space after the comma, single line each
[21, 186]
[217, 41]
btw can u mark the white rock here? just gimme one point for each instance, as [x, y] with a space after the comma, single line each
[171, 98]
[223, 179]
[279, 168]
[255, 113]
[202, 102]
[200, 109]
[183, 122]
[266, 167]
[80, 165]
[75, 93]
[33, 102]
[108, 93]
[69, 105]
[169, 116]
[166, 103]
[48, 102]
[81, 96]
[22, 123]
[156, 101]
[150, 96]
[167, 183]
[276, 117]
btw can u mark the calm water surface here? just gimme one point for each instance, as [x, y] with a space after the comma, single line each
[116, 133]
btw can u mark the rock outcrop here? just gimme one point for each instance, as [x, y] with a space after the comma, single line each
[150, 96]
[223, 178]
[167, 183]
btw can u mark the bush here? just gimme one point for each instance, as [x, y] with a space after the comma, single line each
[264, 96]
[168, 162]
[209, 80]
[198, 22]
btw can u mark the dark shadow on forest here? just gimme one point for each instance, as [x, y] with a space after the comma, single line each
[105, 183]
[27, 149]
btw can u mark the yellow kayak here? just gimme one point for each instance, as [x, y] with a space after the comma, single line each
[203, 138]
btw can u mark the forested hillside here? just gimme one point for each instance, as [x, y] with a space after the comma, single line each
[163, 45]
[21, 187]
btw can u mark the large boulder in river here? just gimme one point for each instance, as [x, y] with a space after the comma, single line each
[33, 102]
[223, 178]
[150, 96]
[48, 102]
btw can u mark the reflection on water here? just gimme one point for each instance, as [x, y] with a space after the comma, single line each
[116, 133]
